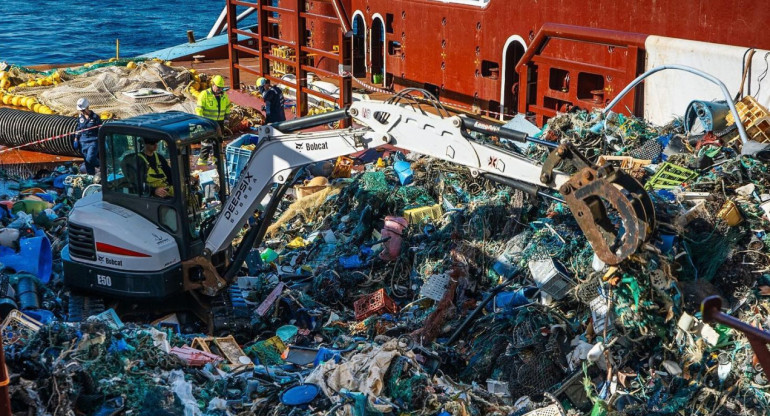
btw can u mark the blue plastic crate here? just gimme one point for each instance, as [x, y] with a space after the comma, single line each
[237, 157]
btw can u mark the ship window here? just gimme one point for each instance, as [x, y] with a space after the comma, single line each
[590, 87]
[394, 48]
[389, 22]
[433, 89]
[558, 79]
[490, 69]
[168, 218]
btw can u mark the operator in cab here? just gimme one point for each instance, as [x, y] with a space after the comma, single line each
[156, 170]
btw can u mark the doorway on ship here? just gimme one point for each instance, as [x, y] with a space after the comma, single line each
[378, 51]
[359, 46]
[512, 53]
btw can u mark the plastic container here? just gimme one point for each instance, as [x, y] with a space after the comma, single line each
[404, 171]
[269, 255]
[34, 256]
[27, 294]
[730, 213]
[551, 277]
[755, 118]
[394, 228]
[416, 215]
[508, 300]
[374, 303]
[236, 157]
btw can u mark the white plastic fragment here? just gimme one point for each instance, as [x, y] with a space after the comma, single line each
[672, 368]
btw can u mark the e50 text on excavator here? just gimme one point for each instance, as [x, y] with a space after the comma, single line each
[127, 243]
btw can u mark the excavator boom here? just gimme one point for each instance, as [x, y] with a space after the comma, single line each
[592, 193]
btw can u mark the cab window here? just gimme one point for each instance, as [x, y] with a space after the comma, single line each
[202, 197]
[126, 169]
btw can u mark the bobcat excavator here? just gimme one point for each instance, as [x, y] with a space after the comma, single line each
[129, 245]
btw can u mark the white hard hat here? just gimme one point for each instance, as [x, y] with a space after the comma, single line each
[83, 104]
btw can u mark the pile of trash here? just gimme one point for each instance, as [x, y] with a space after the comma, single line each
[394, 284]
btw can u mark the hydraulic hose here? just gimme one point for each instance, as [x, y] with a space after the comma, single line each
[18, 127]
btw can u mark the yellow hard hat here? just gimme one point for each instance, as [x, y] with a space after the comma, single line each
[261, 81]
[218, 81]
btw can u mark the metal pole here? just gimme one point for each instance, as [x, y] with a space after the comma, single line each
[711, 311]
[720, 84]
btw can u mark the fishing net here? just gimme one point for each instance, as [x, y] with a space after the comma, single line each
[104, 87]
[76, 70]
[404, 386]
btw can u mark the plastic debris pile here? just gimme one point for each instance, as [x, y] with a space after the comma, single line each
[399, 284]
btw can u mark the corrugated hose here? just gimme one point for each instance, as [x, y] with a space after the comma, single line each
[24, 128]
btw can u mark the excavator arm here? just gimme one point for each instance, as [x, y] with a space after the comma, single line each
[604, 201]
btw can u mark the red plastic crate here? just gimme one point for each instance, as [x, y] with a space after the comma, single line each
[377, 302]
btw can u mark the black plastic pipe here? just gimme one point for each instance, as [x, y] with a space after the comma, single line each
[28, 298]
[311, 121]
[18, 127]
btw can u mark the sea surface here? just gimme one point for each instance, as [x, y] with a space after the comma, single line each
[61, 32]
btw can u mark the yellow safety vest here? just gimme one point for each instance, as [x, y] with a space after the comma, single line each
[156, 178]
[211, 108]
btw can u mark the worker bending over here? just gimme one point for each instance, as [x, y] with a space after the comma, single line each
[213, 104]
[274, 100]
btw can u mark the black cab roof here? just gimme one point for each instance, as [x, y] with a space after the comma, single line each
[175, 125]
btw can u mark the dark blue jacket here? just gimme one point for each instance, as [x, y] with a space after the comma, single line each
[85, 122]
[274, 104]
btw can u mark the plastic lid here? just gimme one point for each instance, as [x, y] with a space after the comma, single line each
[300, 395]
[286, 332]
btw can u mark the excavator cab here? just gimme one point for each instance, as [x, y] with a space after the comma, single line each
[129, 241]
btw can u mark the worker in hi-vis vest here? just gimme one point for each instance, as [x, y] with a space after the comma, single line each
[213, 104]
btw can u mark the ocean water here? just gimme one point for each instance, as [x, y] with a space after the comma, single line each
[62, 32]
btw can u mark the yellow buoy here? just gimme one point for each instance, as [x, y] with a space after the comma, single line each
[16, 101]
[56, 77]
[31, 83]
[31, 103]
[131, 65]
[7, 99]
[45, 110]
[36, 107]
